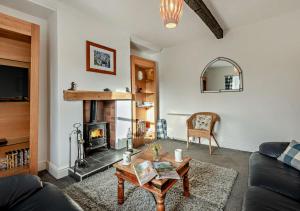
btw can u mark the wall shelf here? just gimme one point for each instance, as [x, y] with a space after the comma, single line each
[13, 171]
[14, 144]
[145, 107]
[145, 113]
[80, 95]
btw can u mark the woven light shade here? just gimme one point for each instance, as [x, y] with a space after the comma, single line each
[171, 11]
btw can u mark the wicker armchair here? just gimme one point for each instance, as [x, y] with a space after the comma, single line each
[199, 133]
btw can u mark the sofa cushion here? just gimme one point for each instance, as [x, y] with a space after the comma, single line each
[259, 199]
[291, 156]
[271, 174]
[15, 189]
[50, 198]
[273, 149]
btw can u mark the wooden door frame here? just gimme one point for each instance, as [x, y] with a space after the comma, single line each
[31, 30]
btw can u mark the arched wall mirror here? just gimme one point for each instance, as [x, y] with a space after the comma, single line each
[221, 75]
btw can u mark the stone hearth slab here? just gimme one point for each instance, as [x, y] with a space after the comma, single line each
[99, 161]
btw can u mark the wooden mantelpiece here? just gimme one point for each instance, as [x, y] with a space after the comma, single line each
[80, 95]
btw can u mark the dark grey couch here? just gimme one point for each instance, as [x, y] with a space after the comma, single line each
[28, 193]
[273, 185]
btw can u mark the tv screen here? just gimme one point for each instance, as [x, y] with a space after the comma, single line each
[13, 83]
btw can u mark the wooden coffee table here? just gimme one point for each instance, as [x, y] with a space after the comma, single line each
[158, 188]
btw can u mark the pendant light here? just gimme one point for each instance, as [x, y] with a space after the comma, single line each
[171, 11]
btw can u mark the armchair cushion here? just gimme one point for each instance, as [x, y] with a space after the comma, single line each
[15, 189]
[291, 156]
[49, 198]
[202, 122]
[273, 149]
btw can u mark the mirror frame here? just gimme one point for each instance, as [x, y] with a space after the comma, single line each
[226, 60]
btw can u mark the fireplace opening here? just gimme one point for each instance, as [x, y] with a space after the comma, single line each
[96, 133]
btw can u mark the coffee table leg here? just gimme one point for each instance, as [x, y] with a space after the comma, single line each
[160, 203]
[120, 190]
[186, 188]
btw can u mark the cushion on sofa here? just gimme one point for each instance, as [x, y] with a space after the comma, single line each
[15, 189]
[273, 149]
[276, 176]
[50, 198]
[291, 156]
[259, 199]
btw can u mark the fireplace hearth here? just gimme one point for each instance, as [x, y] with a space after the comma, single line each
[96, 133]
[104, 146]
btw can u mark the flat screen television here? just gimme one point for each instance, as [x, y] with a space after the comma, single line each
[13, 83]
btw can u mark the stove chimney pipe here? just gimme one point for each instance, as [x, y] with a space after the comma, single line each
[93, 116]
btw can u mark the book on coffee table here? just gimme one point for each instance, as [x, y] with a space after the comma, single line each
[165, 170]
[144, 172]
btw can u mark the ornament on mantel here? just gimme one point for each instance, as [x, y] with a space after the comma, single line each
[73, 86]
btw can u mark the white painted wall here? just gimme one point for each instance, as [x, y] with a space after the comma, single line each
[268, 108]
[73, 29]
[43, 106]
[123, 122]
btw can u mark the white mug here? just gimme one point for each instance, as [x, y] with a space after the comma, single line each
[127, 158]
[178, 155]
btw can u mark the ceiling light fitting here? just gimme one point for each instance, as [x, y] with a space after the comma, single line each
[171, 11]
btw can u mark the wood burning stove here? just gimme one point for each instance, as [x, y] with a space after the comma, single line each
[96, 134]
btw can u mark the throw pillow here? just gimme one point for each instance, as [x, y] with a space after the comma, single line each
[291, 155]
[202, 122]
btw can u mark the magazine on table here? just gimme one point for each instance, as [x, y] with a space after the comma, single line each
[165, 170]
[144, 172]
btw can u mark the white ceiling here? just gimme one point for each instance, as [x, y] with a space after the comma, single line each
[142, 17]
[32, 7]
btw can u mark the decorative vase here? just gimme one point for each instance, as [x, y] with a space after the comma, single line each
[155, 151]
[140, 75]
[156, 155]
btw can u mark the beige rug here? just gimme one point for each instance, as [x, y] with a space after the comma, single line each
[210, 187]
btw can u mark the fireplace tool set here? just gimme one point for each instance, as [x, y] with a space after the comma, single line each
[80, 162]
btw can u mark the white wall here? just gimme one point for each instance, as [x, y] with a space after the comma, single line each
[43, 117]
[267, 109]
[73, 29]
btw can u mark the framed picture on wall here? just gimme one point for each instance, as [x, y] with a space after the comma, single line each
[100, 59]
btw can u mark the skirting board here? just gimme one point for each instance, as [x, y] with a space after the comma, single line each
[56, 172]
[42, 165]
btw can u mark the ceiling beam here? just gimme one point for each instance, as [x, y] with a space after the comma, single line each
[204, 13]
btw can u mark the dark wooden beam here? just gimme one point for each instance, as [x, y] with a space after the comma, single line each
[204, 13]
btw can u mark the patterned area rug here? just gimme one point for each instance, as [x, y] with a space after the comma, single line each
[210, 187]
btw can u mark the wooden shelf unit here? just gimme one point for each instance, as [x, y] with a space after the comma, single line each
[20, 47]
[144, 90]
[14, 171]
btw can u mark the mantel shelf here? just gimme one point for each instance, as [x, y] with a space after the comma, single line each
[80, 95]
